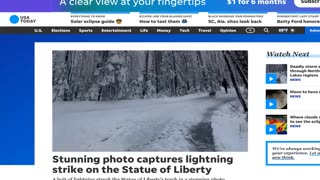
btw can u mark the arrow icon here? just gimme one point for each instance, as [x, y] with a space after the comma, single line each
[271, 78]
[271, 104]
[270, 129]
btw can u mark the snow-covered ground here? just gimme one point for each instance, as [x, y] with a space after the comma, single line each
[282, 77]
[230, 129]
[161, 124]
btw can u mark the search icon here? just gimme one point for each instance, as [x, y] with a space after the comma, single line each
[266, 30]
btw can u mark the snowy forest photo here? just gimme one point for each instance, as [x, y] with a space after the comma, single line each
[150, 100]
[280, 70]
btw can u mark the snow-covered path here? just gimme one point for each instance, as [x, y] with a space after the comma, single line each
[201, 134]
[138, 125]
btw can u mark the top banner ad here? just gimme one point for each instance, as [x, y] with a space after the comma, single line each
[162, 6]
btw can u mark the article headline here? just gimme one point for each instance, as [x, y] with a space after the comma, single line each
[188, 164]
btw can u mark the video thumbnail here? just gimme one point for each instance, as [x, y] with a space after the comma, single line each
[276, 124]
[276, 99]
[276, 73]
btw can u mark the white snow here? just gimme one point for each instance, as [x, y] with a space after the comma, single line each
[283, 77]
[230, 129]
[161, 124]
[110, 67]
[116, 58]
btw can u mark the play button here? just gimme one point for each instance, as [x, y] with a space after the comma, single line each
[271, 78]
[271, 104]
[271, 129]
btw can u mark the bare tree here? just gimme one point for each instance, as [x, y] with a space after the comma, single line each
[235, 60]
[243, 103]
[175, 76]
[146, 76]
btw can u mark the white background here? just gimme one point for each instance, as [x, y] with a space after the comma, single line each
[247, 165]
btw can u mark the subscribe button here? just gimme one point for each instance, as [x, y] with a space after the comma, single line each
[307, 3]
[313, 31]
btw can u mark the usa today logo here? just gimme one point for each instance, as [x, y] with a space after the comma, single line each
[14, 19]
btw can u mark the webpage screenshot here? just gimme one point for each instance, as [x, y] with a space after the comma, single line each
[160, 89]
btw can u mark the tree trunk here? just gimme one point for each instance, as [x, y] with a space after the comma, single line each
[144, 91]
[200, 71]
[100, 94]
[158, 57]
[68, 60]
[240, 71]
[175, 79]
[244, 105]
[187, 73]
